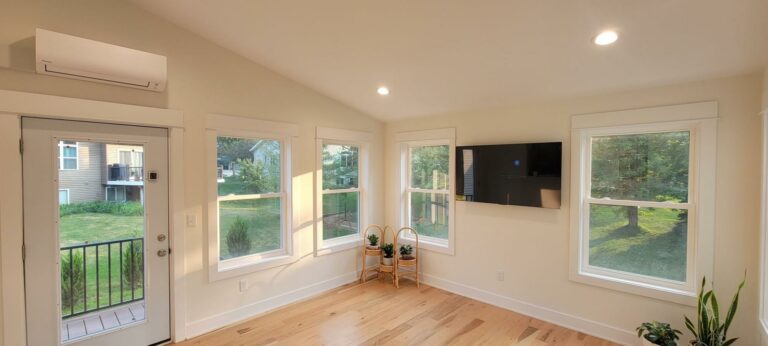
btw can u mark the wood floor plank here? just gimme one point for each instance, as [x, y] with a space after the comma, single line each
[377, 313]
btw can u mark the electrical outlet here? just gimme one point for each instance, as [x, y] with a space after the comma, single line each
[243, 285]
[500, 275]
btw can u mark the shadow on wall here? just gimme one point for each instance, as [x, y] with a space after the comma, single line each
[21, 55]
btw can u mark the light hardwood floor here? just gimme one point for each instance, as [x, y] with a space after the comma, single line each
[376, 313]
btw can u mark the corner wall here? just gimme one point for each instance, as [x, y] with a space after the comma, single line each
[202, 78]
[531, 245]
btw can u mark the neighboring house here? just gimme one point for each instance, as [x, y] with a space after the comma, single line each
[100, 172]
[267, 152]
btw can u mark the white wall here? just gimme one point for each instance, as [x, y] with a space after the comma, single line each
[203, 78]
[531, 245]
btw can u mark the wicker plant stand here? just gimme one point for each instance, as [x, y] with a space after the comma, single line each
[372, 252]
[409, 267]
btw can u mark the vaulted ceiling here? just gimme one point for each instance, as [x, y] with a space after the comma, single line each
[448, 55]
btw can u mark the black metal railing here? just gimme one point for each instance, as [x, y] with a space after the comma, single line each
[90, 281]
[120, 172]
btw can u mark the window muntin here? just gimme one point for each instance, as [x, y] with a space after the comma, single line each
[341, 190]
[637, 207]
[250, 198]
[427, 193]
[68, 159]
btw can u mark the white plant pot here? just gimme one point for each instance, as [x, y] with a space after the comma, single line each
[387, 261]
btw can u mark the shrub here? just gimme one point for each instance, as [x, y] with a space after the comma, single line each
[102, 207]
[72, 283]
[238, 239]
[133, 266]
[388, 249]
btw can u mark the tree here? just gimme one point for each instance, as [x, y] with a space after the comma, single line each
[72, 281]
[647, 167]
[340, 166]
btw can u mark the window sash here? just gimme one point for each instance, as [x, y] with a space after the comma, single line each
[651, 282]
[409, 219]
[360, 190]
[248, 259]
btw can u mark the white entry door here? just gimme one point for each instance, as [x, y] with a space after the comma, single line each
[96, 262]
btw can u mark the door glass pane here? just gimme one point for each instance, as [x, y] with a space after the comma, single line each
[340, 166]
[646, 241]
[101, 237]
[429, 167]
[646, 167]
[247, 166]
[340, 216]
[429, 214]
[249, 226]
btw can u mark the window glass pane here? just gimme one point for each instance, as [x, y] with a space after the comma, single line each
[248, 166]
[340, 166]
[69, 164]
[429, 167]
[69, 151]
[646, 241]
[429, 214]
[647, 167]
[340, 217]
[63, 197]
[248, 227]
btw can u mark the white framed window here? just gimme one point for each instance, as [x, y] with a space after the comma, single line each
[643, 199]
[68, 156]
[63, 196]
[427, 176]
[341, 199]
[115, 193]
[249, 202]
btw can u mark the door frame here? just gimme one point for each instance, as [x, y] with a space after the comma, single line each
[14, 105]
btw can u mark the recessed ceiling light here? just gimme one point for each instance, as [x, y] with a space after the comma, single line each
[383, 91]
[605, 38]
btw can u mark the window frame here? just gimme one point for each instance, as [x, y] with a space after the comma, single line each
[362, 140]
[407, 141]
[700, 204]
[248, 128]
[61, 146]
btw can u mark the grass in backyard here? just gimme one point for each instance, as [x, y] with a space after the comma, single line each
[656, 247]
[263, 217]
[97, 227]
[340, 214]
[89, 227]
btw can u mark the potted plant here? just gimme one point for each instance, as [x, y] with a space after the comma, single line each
[657, 333]
[388, 249]
[406, 251]
[373, 241]
[710, 329]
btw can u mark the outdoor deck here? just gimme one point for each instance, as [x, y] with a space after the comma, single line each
[99, 321]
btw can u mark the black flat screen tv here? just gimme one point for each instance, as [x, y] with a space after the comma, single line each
[510, 174]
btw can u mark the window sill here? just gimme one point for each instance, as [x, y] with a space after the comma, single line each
[327, 247]
[647, 290]
[430, 245]
[221, 270]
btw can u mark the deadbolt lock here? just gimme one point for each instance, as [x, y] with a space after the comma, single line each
[161, 237]
[162, 252]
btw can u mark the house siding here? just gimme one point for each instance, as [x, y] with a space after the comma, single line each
[85, 183]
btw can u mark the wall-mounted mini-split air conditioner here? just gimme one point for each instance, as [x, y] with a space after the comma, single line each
[74, 57]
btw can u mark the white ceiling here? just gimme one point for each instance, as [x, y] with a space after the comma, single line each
[448, 55]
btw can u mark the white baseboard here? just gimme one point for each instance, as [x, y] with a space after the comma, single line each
[224, 319]
[597, 329]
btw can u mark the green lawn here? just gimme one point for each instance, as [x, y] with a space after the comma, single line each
[263, 217]
[77, 229]
[340, 215]
[98, 227]
[657, 247]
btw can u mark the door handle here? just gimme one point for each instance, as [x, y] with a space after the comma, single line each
[162, 252]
